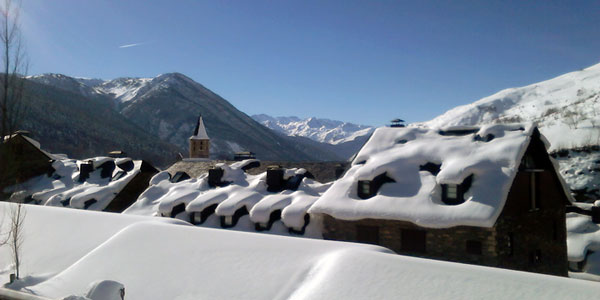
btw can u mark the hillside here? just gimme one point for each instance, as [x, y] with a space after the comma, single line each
[166, 108]
[85, 124]
[566, 110]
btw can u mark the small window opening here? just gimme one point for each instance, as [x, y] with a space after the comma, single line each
[179, 208]
[369, 188]
[197, 218]
[303, 229]
[486, 138]
[179, 176]
[413, 240]
[510, 243]
[458, 132]
[534, 191]
[431, 168]
[231, 221]
[474, 247]
[274, 216]
[454, 194]
[367, 234]
[364, 187]
[535, 257]
[89, 203]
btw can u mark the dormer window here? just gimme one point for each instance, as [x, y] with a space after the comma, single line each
[369, 188]
[454, 194]
[364, 187]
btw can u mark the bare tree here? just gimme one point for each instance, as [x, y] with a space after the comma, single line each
[14, 67]
[12, 83]
[15, 240]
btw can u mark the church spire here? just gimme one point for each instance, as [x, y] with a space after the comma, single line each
[200, 131]
[200, 142]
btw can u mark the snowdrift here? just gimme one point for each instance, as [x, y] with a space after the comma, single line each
[66, 250]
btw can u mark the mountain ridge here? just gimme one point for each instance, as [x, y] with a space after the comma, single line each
[166, 106]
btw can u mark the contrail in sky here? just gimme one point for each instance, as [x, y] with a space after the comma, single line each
[131, 45]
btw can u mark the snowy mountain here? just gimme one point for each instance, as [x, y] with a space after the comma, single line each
[339, 137]
[167, 106]
[566, 110]
[320, 130]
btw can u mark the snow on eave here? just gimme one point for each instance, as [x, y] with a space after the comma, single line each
[35, 144]
[415, 196]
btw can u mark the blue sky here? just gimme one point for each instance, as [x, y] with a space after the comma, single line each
[360, 61]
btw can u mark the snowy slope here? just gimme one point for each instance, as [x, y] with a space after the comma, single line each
[565, 108]
[166, 261]
[320, 130]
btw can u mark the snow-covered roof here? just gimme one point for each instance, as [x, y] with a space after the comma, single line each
[155, 260]
[490, 154]
[200, 131]
[33, 142]
[64, 188]
[242, 190]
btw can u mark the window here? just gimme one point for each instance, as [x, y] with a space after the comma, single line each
[510, 241]
[473, 247]
[364, 188]
[413, 240]
[454, 194]
[534, 191]
[535, 257]
[367, 188]
[367, 234]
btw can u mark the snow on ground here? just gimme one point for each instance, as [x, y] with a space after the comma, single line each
[581, 170]
[107, 177]
[583, 244]
[156, 260]
[243, 191]
[415, 194]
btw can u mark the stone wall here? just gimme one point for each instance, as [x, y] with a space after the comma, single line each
[446, 244]
[529, 239]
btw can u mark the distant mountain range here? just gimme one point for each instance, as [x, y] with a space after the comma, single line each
[567, 111]
[343, 138]
[320, 130]
[150, 118]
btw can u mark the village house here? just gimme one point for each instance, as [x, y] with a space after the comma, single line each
[489, 196]
[22, 158]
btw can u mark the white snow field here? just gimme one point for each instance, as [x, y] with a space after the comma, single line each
[66, 250]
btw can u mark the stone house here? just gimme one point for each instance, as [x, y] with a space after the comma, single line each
[22, 158]
[489, 196]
